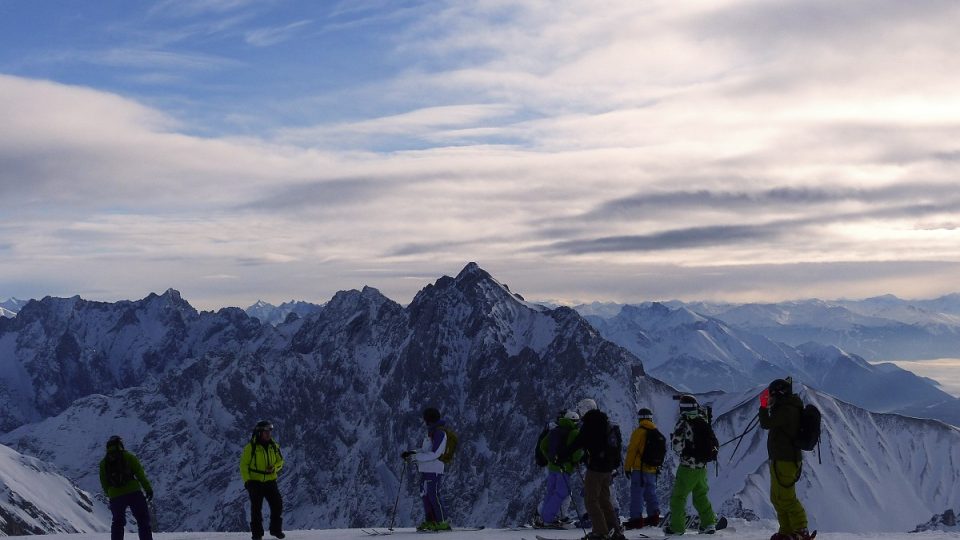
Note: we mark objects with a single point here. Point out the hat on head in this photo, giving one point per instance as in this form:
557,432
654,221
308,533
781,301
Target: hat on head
263,425
780,387
431,415
586,405
571,415
645,414
689,403
115,441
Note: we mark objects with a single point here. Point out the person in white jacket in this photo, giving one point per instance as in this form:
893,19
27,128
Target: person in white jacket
431,471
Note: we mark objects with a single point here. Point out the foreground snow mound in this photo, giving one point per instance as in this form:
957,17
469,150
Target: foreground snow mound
36,499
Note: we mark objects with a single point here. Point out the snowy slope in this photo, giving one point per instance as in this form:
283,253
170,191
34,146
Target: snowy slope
36,499
699,353
879,471
10,306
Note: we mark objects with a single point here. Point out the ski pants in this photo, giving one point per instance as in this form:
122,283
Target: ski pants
643,489
558,491
783,496
259,491
430,493
138,507
596,497
690,480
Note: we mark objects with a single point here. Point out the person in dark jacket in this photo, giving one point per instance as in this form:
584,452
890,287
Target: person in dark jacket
124,482
691,477
601,463
260,463
780,412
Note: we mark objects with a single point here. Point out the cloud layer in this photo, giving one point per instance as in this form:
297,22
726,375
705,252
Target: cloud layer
740,150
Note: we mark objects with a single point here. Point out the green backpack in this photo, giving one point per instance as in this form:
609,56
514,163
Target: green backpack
452,442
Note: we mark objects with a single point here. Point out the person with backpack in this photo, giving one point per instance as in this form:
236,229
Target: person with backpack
431,460
125,484
601,442
695,442
645,455
260,464
552,446
780,415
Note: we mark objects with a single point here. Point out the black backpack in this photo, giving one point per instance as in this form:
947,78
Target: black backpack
611,456
539,458
655,449
117,469
705,443
809,433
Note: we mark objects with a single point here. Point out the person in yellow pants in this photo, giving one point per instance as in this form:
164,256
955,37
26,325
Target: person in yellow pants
780,412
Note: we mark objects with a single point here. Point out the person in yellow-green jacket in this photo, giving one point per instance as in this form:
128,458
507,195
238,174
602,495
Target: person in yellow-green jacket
123,480
552,446
260,464
645,455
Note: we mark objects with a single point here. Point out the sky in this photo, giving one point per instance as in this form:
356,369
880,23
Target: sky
617,151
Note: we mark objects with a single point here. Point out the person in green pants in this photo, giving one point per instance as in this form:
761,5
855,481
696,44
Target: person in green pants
696,444
780,414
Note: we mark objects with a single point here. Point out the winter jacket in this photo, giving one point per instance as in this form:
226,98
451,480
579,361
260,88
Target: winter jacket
256,460
554,461
782,419
138,477
434,444
682,438
593,440
638,441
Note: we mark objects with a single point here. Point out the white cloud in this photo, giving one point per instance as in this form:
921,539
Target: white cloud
263,37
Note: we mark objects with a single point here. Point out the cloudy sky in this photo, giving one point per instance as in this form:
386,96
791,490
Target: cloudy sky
615,150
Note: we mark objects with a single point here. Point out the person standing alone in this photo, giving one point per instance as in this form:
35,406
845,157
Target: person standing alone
260,463
123,480
431,468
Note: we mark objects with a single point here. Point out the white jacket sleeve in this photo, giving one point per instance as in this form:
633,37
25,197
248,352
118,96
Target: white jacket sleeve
427,453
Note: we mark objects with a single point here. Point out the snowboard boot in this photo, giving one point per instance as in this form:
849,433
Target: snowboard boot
633,523
652,520
616,534
441,526
425,526
709,529
803,534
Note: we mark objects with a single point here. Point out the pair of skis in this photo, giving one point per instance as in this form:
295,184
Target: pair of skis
388,532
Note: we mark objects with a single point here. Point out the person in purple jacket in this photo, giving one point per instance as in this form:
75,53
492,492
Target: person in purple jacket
431,471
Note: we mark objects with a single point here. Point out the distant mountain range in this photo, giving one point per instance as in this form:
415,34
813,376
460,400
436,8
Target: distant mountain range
345,385
271,314
880,328
10,306
700,353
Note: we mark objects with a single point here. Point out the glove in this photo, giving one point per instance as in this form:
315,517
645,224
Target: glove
406,455
765,398
149,495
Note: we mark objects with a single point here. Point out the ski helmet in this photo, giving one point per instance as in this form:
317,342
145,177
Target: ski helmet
586,405
571,415
645,414
263,425
689,403
431,415
780,387
115,442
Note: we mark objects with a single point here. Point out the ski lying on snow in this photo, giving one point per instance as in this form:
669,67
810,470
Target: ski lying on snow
380,532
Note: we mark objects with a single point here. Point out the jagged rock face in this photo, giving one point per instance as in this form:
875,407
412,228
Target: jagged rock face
345,387
60,349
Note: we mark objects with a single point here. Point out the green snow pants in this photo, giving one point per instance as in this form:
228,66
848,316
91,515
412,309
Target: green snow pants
783,496
690,480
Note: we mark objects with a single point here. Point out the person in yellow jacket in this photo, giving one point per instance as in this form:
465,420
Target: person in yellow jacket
260,464
643,476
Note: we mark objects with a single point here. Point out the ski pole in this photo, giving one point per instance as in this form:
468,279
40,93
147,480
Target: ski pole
403,475
575,505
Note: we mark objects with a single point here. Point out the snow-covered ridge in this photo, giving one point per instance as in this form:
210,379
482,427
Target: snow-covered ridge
36,499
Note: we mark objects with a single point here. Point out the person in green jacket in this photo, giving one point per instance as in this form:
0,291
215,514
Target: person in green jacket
780,412
552,446
124,482
260,463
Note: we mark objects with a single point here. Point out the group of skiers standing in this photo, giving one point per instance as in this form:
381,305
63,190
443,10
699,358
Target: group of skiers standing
583,435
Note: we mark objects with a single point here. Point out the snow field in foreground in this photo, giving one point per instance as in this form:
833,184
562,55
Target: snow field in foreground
757,530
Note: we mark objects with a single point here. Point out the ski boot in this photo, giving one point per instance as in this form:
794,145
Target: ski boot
425,526
633,523
441,526
709,529
652,520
